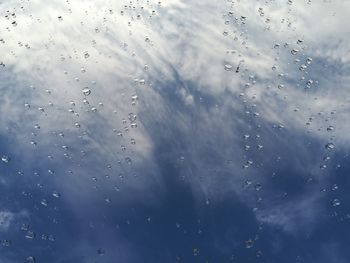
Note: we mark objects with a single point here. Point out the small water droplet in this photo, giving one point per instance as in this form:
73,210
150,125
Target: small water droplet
336,202
308,61
30,234
128,160
44,202
302,67
30,260
5,159
294,51
101,251
258,187
228,67
56,194
249,243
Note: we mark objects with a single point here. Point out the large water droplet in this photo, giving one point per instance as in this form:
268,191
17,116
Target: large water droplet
329,146
86,91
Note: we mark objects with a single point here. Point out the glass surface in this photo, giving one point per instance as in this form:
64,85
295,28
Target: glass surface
174,131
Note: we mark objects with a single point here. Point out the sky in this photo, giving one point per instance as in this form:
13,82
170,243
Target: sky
174,131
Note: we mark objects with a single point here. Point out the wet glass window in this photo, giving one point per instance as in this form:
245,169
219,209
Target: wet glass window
174,131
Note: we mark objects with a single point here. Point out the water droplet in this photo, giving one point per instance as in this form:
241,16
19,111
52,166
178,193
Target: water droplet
258,187
30,234
336,202
6,243
132,117
249,243
5,159
196,252
44,202
86,91
335,187
308,61
302,67
207,201
134,99
56,194
294,51
101,251
128,160
228,67
329,146
30,260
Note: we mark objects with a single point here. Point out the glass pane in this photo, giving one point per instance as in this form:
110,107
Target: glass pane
174,131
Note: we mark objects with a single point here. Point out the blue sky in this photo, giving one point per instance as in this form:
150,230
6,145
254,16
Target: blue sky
211,132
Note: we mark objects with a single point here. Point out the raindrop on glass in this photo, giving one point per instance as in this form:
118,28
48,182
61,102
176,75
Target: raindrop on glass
329,146
86,91
336,202
30,260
